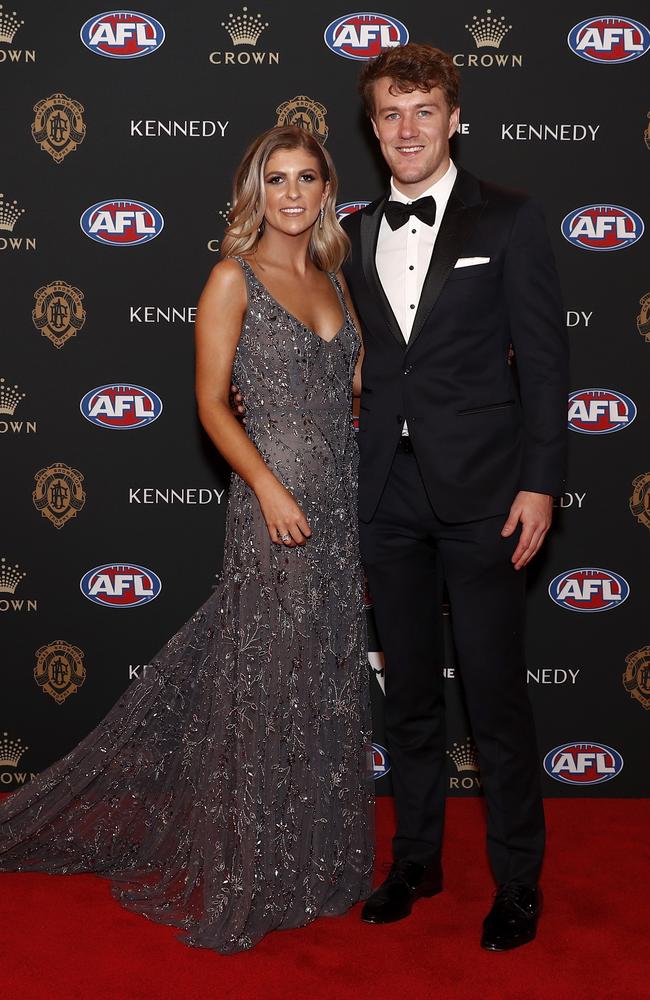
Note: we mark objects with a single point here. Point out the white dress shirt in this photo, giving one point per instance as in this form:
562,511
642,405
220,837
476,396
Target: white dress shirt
403,255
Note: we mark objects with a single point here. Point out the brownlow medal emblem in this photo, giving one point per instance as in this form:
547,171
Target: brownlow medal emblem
58,313
58,126
640,499
305,113
636,678
59,494
59,669
643,319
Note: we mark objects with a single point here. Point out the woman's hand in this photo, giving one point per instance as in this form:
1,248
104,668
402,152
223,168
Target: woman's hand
285,520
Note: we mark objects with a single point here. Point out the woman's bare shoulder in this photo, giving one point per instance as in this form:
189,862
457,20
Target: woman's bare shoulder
226,279
228,272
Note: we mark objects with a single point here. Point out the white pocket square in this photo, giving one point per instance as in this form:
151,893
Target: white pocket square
468,261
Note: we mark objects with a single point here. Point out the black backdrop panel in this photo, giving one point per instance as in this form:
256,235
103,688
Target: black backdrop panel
161,134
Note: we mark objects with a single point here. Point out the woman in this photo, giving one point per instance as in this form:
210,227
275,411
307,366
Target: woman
228,792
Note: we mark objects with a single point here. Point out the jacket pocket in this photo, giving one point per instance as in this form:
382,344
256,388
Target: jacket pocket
490,406
491,270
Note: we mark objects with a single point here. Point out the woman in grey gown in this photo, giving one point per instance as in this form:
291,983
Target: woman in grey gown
229,792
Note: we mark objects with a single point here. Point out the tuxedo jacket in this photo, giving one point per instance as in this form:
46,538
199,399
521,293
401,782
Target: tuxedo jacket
482,426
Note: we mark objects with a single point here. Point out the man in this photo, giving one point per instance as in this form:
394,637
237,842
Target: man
461,455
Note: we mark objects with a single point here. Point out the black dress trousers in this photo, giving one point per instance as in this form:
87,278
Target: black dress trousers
407,550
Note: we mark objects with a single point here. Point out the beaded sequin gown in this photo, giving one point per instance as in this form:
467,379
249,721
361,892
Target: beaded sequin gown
228,792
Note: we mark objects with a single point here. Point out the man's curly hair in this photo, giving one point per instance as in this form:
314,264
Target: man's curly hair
411,67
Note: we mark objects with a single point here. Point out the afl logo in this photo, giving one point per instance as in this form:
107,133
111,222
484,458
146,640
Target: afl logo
589,589
600,411
349,208
122,34
583,763
609,39
602,227
121,407
363,36
380,761
122,223
118,585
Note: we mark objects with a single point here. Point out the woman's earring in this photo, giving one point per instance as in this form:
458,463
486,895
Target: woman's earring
321,217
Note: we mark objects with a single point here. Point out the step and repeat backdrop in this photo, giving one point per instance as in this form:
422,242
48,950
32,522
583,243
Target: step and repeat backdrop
121,132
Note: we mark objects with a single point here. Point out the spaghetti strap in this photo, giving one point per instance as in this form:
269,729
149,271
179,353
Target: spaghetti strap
248,273
337,285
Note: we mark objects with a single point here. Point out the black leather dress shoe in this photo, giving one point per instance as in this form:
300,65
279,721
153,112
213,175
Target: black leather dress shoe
406,882
512,921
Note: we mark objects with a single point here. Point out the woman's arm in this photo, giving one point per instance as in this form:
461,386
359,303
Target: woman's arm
219,319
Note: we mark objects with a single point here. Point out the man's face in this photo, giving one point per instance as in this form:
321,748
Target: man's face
414,130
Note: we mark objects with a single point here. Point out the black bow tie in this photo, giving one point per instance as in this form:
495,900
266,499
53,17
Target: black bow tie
397,213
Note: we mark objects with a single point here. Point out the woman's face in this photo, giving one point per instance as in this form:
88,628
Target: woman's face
295,191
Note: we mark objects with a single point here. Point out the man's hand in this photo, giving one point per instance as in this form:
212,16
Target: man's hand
236,401
535,511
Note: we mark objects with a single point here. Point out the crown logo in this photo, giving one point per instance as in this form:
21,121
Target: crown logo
10,577
224,213
488,32
465,756
244,28
9,213
9,25
10,397
11,751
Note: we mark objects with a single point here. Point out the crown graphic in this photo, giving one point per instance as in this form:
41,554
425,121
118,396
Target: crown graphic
244,28
9,213
11,750
465,756
224,213
9,25
10,577
10,397
488,31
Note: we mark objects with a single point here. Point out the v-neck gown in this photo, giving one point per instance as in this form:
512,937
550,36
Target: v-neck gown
228,792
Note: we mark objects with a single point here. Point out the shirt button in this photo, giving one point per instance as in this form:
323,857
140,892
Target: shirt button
414,231
411,306
411,267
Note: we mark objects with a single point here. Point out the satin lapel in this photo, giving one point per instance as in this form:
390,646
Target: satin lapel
457,224
369,234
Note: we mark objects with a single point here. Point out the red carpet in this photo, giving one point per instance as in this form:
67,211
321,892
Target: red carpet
64,938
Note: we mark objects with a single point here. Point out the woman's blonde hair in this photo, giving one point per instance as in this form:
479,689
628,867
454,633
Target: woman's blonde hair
329,245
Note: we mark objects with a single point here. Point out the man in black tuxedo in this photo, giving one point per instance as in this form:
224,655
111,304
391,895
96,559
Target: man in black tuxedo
461,455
